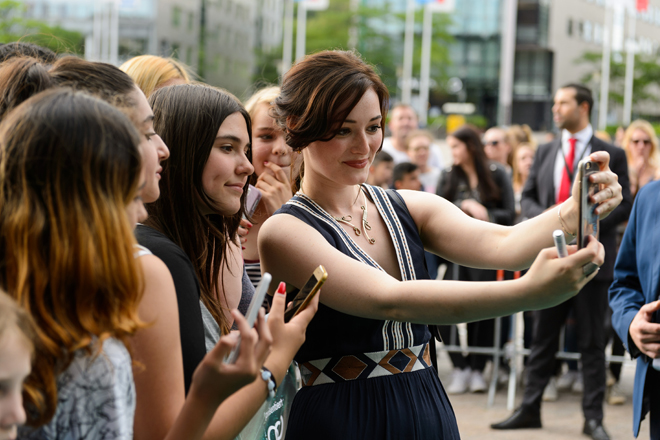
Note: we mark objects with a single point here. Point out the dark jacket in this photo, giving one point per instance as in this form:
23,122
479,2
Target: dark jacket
502,211
539,194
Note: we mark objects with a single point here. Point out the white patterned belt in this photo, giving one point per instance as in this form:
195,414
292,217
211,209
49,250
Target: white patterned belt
365,365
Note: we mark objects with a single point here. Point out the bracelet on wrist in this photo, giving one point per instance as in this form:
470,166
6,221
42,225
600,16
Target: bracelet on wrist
562,223
268,377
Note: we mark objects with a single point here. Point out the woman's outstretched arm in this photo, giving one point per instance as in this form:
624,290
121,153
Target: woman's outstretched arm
446,231
290,250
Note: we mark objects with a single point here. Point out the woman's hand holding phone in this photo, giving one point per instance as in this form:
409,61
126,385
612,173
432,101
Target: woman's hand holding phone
214,380
609,196
287,337
552,280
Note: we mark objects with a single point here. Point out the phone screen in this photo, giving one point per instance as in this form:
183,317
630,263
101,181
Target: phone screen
306,294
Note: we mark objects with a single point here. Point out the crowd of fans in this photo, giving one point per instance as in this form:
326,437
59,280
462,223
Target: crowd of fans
130,252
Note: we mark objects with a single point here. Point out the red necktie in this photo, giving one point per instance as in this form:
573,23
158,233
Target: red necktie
565,187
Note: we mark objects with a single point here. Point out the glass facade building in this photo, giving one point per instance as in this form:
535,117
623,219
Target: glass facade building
475,52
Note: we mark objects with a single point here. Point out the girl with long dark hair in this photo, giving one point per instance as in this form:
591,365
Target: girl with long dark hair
481,189
193,227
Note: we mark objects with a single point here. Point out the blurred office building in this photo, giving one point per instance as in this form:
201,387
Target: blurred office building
230,30
550,36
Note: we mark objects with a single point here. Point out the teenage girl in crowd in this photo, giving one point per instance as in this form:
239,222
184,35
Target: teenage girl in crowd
70,173
192,227
17,336
271,158
482,190
365,363
151,72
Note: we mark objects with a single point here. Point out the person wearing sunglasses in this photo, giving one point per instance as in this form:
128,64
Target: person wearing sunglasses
497,147
641,145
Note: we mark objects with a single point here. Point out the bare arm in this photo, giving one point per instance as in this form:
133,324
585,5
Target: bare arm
163,410
159,380
291,249
236,411
446,231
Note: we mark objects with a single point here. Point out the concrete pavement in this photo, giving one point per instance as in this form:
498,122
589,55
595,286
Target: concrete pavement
562,420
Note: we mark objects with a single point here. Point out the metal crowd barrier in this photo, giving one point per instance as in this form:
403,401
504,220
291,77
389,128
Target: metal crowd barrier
516,354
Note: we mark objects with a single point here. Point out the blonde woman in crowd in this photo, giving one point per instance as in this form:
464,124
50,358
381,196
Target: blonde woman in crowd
151,72
271,158
519,134
523,158
641,145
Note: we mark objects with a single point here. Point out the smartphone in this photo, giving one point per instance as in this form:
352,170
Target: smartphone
252,312
251,201
307,293
589,220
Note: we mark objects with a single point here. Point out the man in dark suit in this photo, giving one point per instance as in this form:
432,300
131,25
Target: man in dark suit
635,303
549,184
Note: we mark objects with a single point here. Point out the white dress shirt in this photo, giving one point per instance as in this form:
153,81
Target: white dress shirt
582,150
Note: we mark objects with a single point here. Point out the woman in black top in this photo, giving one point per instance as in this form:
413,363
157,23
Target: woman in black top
482,190
193,226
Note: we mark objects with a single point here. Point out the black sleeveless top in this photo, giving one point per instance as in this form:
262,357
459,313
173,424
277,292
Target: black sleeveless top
332,333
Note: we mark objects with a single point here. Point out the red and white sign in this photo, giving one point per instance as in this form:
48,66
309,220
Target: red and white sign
642,5
441,5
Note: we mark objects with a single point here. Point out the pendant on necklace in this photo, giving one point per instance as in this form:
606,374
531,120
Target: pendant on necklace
347,219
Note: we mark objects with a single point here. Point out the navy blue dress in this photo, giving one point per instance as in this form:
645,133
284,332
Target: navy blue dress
367,378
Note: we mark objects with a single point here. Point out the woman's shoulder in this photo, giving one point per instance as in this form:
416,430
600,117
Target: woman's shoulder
95,398
111,365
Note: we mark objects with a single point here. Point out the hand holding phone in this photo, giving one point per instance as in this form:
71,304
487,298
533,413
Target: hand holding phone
589,221
307,293
252,312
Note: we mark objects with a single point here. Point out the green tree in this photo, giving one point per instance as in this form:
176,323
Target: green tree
645,77
379,40
380,34
266,72
15,27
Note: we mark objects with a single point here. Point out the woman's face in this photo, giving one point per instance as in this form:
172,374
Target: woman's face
15,366
524,160
418,150
346,157
152,147
228,168
640,145
268,144
459,151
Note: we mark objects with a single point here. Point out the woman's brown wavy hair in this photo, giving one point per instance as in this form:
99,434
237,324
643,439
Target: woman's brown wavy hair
187,117
69,165
320,91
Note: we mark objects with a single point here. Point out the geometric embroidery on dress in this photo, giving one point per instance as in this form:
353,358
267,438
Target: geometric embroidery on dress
365,365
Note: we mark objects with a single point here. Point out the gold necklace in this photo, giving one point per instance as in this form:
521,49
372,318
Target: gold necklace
365,224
